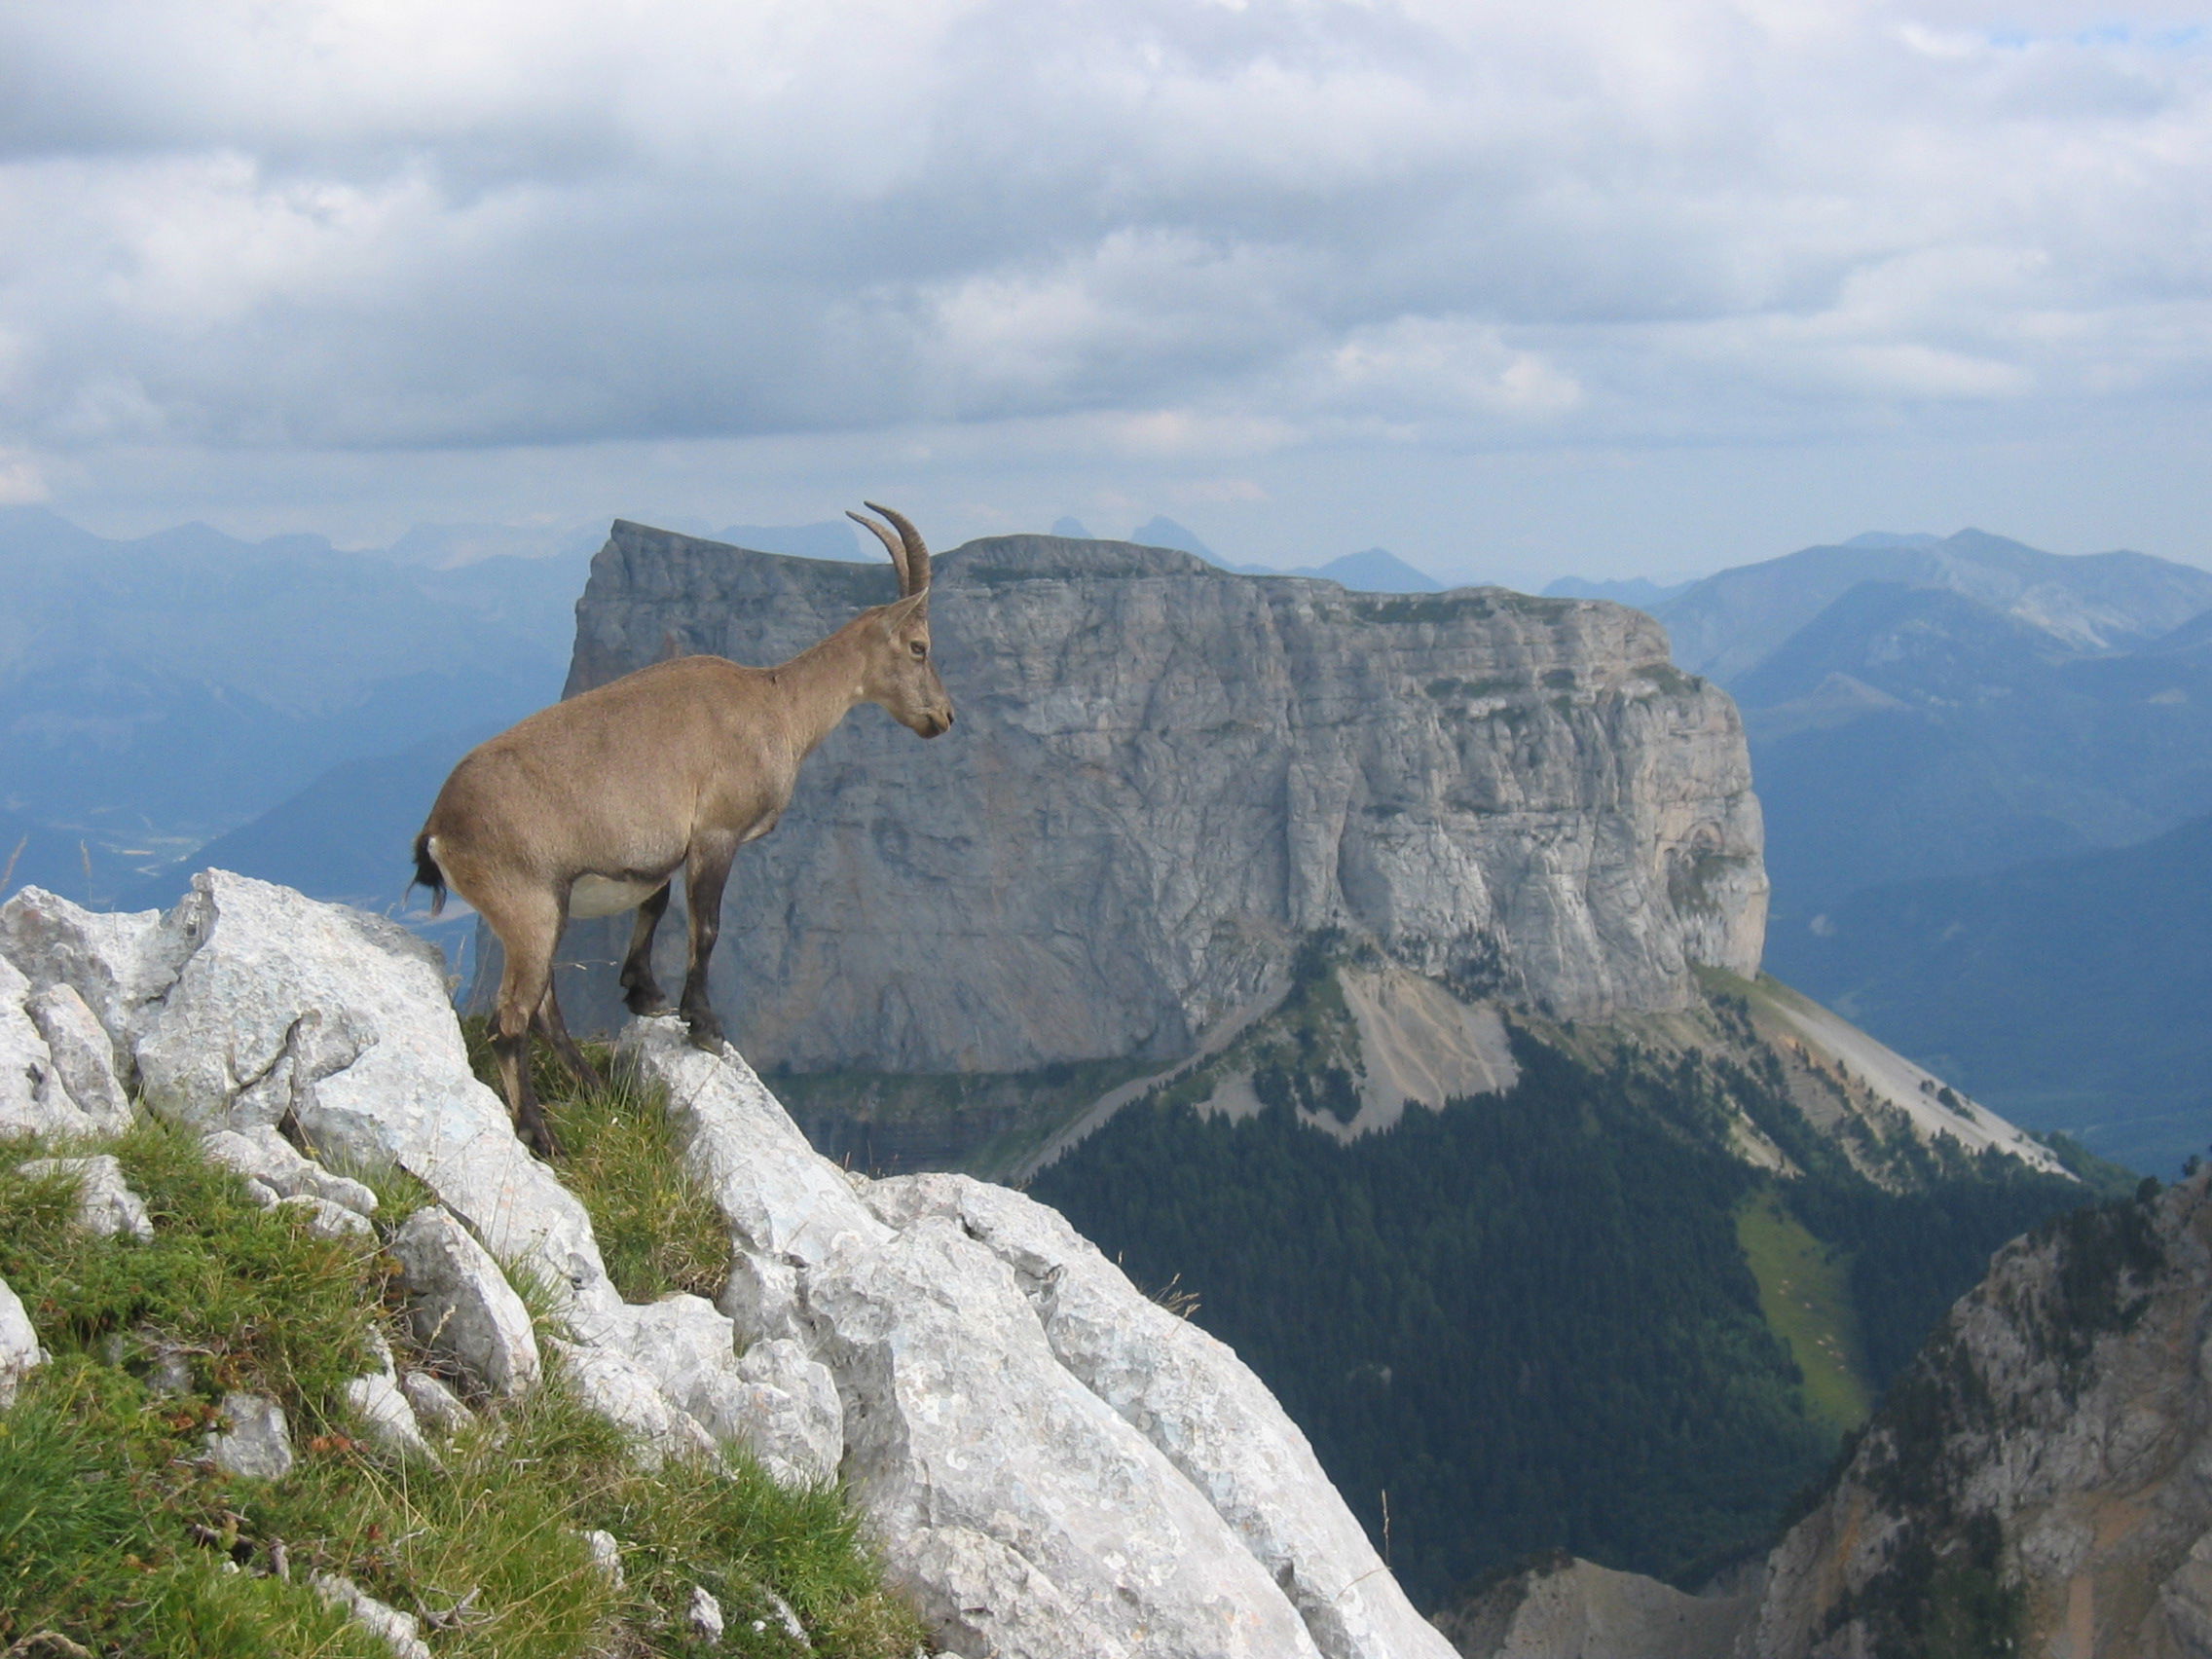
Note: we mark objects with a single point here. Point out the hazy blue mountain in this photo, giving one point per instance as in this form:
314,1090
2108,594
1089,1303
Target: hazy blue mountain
1957,787
1891,539
2192,636
1909,733
1730,622
156,691
1072,527
1376,570
831,538
1158,531
1639,591
449,546
347,836
1926,645
2068,993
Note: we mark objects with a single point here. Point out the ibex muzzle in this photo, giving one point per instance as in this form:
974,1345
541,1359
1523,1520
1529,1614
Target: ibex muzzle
591,806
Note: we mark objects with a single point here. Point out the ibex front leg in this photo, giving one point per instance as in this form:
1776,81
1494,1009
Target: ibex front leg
704,876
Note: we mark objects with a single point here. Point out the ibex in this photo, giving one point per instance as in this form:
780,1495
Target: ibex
591,806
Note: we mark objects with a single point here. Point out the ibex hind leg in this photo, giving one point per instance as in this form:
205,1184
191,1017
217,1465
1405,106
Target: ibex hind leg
641,991
556,1030
528,930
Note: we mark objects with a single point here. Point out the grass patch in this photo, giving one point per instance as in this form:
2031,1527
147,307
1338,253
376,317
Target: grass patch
1805,1294
117,1533
657,1231
248,1297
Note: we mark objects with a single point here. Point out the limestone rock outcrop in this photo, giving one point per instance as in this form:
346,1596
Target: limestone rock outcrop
56,1073
1052,1464
1165,775
461,1306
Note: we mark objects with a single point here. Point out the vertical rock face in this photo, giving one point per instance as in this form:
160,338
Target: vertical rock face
1164,775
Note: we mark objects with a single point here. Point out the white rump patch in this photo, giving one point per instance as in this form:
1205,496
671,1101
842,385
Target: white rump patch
605,895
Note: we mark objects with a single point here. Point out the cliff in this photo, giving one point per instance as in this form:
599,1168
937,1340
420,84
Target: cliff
1166,776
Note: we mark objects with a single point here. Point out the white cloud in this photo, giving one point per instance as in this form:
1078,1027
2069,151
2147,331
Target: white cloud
1416,366
1161,228
20,480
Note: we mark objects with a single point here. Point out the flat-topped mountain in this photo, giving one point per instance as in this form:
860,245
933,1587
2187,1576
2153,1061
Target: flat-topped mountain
1166,775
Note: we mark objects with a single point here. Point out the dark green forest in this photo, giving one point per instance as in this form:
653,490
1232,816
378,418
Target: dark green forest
1524,1322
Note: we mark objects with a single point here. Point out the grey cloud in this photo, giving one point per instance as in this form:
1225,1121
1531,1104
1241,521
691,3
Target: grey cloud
575,224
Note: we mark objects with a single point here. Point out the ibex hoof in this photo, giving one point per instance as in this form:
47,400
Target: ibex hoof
647,1002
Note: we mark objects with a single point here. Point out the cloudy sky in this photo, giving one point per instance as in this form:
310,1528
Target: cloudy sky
1512,289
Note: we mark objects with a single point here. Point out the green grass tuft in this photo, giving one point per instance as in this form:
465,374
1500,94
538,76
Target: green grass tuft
658,1231
251,1298
117,1533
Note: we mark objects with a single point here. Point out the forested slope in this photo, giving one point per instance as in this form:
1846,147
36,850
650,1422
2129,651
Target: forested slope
1527,1321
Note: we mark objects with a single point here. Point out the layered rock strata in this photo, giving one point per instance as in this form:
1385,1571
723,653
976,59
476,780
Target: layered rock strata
1052,1464
1166,776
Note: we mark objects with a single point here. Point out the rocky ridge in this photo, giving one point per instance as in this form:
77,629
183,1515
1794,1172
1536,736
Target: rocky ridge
1166,776
2038,1482
1052,1463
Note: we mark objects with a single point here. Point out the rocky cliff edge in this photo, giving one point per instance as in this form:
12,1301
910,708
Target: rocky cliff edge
1052,1463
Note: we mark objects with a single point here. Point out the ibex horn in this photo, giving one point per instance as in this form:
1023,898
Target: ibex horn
890,545
917,552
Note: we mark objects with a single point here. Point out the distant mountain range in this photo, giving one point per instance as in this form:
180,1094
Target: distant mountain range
1376,570
1727,624
157,692
1957,707
1952,738
1639,591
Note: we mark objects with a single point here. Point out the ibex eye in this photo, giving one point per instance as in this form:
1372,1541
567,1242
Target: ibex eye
920,649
